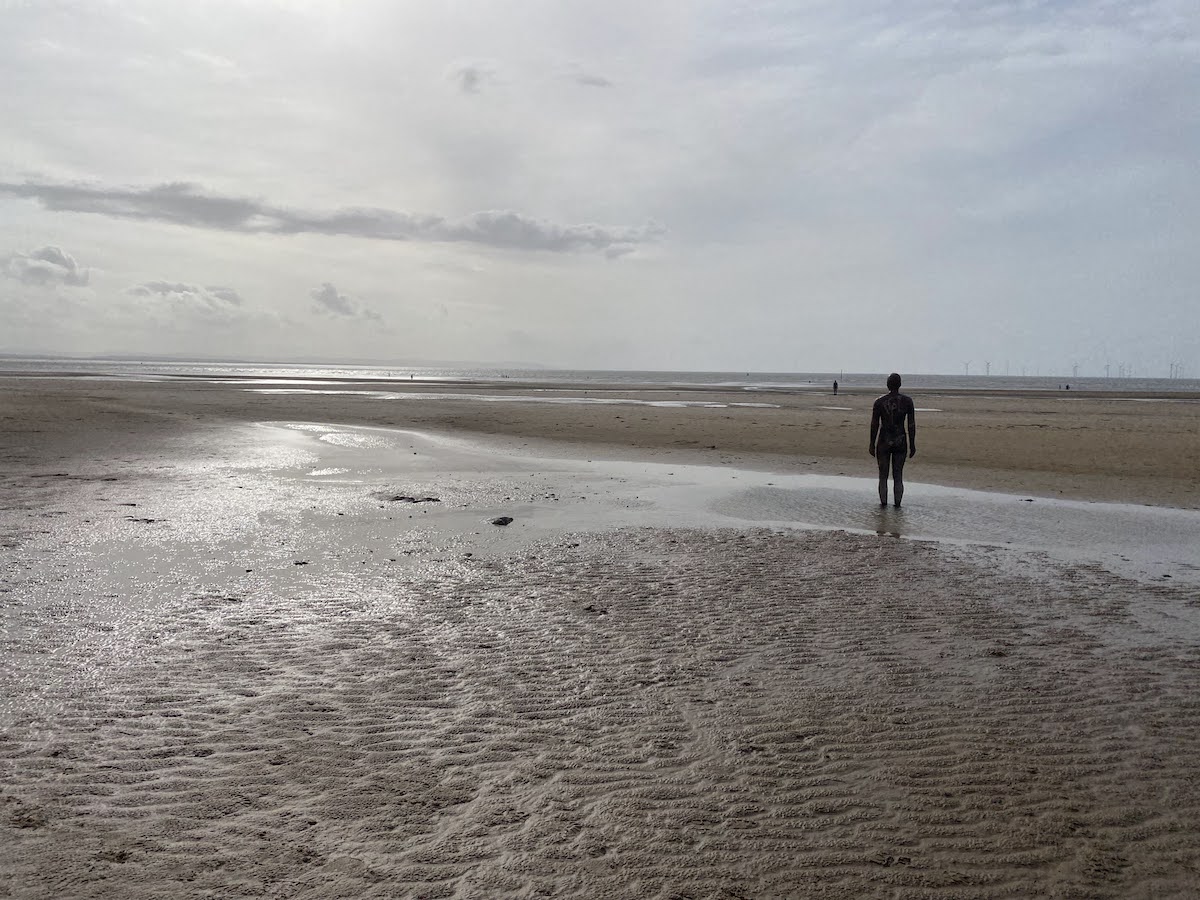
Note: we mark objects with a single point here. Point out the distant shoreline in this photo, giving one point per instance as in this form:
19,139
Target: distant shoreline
500,373
1163,389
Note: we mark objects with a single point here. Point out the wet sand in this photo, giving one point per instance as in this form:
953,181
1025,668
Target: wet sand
234,664
1123,448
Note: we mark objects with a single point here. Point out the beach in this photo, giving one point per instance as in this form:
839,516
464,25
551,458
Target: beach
264,639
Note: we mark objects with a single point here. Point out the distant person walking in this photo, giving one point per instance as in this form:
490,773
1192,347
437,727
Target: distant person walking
835,387
890,444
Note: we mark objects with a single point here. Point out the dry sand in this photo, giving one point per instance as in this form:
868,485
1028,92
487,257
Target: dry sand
230,667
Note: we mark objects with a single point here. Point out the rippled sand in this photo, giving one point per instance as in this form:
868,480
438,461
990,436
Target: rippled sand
232,668
644,713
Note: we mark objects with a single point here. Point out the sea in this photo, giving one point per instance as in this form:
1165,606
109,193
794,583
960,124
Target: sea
146,369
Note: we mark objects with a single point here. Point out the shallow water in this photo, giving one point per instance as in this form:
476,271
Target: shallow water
770,381
1135,541
522,398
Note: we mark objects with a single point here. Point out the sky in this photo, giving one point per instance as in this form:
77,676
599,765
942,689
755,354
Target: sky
694,185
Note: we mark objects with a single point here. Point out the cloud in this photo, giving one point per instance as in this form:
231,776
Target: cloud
588,79
45,266
186,204
210,61
229,295
471,78
328,300
214,301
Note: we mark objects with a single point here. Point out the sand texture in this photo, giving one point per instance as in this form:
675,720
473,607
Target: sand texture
232,668
642,715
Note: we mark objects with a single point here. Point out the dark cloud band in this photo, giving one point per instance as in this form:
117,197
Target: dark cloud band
186,204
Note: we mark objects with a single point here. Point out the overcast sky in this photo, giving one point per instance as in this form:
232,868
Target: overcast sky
766,186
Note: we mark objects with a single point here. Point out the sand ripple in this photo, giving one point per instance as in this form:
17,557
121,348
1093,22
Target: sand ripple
641,714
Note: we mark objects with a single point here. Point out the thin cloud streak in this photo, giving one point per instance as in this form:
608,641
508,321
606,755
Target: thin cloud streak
182,203
589,80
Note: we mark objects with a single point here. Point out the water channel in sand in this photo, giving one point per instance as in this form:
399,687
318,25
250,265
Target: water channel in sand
1148,543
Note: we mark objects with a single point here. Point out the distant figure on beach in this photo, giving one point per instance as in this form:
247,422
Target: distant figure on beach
890,444
835,387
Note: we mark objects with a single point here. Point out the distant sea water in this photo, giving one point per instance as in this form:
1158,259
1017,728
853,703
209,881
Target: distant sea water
133,369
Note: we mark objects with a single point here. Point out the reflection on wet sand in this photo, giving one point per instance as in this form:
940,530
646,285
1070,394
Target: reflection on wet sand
1130,540
887,520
